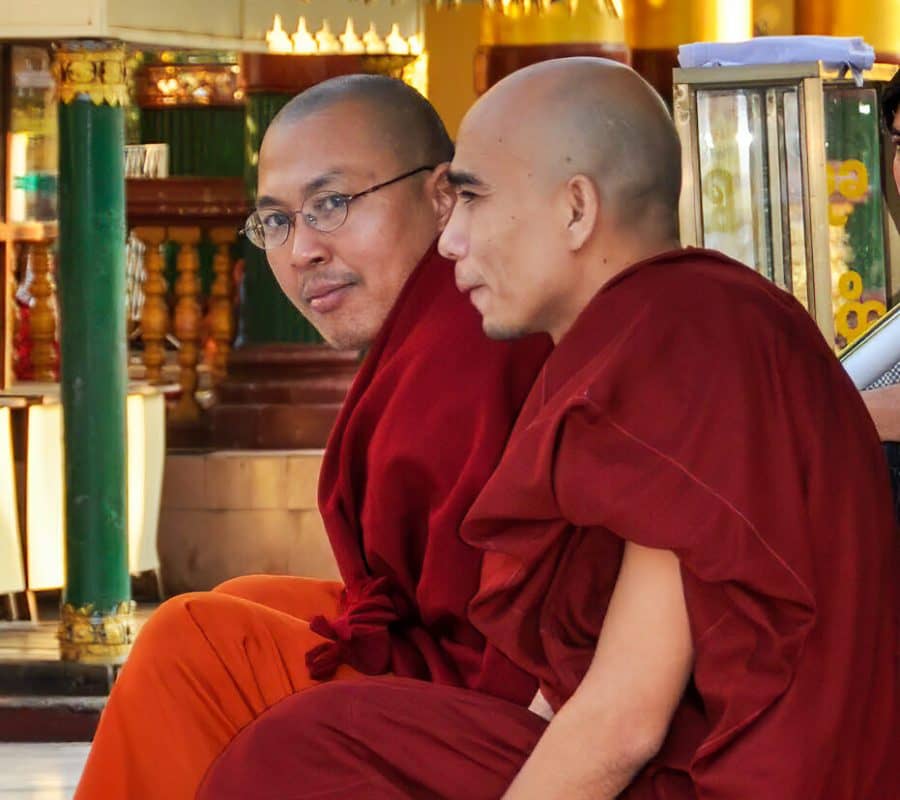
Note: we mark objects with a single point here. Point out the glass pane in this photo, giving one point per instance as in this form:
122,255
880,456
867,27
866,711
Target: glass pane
792,167
33,136
855,212
733,175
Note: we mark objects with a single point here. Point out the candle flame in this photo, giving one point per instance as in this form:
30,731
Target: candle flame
396,44
277,39
303,39
350,42
373,42
327,41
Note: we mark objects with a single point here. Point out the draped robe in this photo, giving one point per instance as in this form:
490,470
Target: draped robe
421,430
693,407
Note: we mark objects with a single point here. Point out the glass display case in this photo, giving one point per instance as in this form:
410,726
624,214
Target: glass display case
32,137
784,169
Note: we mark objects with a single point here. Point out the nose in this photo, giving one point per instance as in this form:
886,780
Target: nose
309,247
454,241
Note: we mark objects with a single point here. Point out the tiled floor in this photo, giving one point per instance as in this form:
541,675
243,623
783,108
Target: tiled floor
40,771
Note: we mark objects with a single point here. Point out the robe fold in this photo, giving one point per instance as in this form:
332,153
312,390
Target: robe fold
692,407
695,407
420,432
422,428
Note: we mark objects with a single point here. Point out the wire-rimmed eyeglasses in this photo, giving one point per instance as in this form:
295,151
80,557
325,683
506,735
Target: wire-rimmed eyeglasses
325,211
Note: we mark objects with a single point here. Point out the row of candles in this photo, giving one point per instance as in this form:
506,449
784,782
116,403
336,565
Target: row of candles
324,41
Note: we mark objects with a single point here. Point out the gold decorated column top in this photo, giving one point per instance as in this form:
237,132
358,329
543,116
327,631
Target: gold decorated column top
94,70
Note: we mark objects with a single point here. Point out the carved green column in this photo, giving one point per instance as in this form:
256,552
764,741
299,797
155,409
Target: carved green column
97,611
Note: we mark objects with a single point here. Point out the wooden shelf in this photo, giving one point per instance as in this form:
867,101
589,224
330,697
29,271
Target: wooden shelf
28,231
185,201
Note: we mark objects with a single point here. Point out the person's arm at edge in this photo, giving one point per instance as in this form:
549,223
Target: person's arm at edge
884,406
619,716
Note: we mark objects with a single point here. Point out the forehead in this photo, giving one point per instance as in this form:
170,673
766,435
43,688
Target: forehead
342,137
481,149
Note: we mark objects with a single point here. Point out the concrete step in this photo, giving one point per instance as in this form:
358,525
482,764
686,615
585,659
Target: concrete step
55,678
30,718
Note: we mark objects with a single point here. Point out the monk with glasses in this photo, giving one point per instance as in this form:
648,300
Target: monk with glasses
352,197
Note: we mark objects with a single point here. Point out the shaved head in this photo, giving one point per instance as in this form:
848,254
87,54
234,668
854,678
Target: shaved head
405,122
373,148
567,173
597,117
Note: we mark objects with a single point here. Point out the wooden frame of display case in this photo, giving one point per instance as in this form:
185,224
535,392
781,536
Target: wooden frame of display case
809,80
12,233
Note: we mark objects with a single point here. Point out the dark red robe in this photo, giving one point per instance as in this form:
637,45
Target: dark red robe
421,431
693,407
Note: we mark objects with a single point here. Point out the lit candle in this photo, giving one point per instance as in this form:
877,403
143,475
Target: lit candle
277,39
350,42
373,42
303,39
416,44
396,44
328,42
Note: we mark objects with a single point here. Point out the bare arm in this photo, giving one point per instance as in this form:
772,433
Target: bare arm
884,406
619,715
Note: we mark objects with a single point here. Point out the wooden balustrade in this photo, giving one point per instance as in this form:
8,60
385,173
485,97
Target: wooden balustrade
155,311
188,211
42,319
221,301
188,316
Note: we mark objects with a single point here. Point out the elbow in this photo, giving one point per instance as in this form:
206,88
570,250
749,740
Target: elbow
642,743
628,740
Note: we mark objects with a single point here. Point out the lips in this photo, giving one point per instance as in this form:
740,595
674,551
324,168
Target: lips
325,297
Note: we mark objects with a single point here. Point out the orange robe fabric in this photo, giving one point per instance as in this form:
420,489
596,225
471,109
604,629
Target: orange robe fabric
422,428
692,407
205,665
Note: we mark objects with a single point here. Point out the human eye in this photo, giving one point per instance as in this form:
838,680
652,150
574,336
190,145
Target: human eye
466,196
324,204
273,219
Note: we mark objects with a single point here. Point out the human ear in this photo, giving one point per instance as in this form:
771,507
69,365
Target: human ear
582,209
441,193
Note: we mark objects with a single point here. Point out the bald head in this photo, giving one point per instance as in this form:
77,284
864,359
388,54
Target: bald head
566,174
398,117
596,117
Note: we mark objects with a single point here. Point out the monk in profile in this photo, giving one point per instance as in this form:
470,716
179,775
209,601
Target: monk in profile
352,196
689,540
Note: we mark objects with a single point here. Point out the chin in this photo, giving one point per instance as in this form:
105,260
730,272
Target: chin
354,339
501,332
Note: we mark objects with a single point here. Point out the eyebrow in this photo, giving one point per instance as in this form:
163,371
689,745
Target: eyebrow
266,201
462,178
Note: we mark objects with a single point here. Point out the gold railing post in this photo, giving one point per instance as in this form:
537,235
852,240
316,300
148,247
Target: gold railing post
155,312
43,313
187,320
220,300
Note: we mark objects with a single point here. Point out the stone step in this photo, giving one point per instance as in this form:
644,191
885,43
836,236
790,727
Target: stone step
55,678
31,718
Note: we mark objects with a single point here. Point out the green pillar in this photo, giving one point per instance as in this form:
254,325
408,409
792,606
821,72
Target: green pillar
266,314
97,611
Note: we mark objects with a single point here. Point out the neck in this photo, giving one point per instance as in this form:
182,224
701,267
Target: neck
599,266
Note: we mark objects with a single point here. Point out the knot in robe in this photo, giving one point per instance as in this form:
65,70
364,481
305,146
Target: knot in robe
420,432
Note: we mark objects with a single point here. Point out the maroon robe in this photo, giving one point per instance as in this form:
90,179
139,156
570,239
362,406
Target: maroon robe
421,431
692,407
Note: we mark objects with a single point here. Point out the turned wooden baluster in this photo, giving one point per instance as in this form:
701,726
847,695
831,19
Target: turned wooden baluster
220,300
43,312
155,313
187,320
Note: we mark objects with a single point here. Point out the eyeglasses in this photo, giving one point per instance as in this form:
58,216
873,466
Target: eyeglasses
269,228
